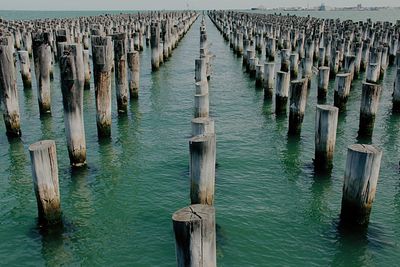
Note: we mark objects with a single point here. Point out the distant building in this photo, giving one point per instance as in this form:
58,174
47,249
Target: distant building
322,7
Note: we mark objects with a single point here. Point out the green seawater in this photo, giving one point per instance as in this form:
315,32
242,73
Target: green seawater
271,208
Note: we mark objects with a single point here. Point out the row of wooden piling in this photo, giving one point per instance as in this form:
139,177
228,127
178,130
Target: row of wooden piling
194,226
115,43
114,47
335,50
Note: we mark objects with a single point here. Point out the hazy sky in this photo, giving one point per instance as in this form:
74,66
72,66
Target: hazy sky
175,4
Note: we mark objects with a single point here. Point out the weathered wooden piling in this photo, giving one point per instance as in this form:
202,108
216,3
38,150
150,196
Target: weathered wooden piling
87,71
297,106
155,44
342,90
200,69
133,74
42,59
25,68
201,105
9,90
121,81
202,126
285,60
373,73
281,91
269,79
396,92
259,75
72,86
102,63
326,119
294,65
323,82
270,49
360,181
45,181
202,168
368,109
195,238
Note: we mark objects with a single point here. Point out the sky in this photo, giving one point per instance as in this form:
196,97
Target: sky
176,4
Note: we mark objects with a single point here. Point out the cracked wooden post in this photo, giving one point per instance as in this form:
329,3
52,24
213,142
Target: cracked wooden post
294,65
259,75
360,181
155,44
368,109
334,65
25,68
86,65
270,49
307,65
202,126
285,60
133,74
200,69
202,168
396,92
42,59
102,63
373,72
72,86
281,91
326,119
269,79
121,81
297,106
45,181
323,82
342,90
195,238
9,90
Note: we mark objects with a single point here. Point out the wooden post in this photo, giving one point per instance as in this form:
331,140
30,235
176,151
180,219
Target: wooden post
285,60
155,44
86,65
195,241
360,180
202,126
281,91
270,49
396,92
202,168
326,119
9,90
133,74
200,69
25,68
201,105
342,90
121,81
72,86
42,59
269,79
294,65
323,82
373,73
201,87
45,181
368,109
102,63
297,107
259,75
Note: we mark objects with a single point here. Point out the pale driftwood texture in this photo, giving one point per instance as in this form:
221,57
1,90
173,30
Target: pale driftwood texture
9,90
326,119
72,86
369,107
201,87
297,107
202,168
42,59
195,237
45,181
269,79
323,82
133,74
360,180
281,91
102,64
201,105
200,69
121,81
25,68
342,90
202,126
